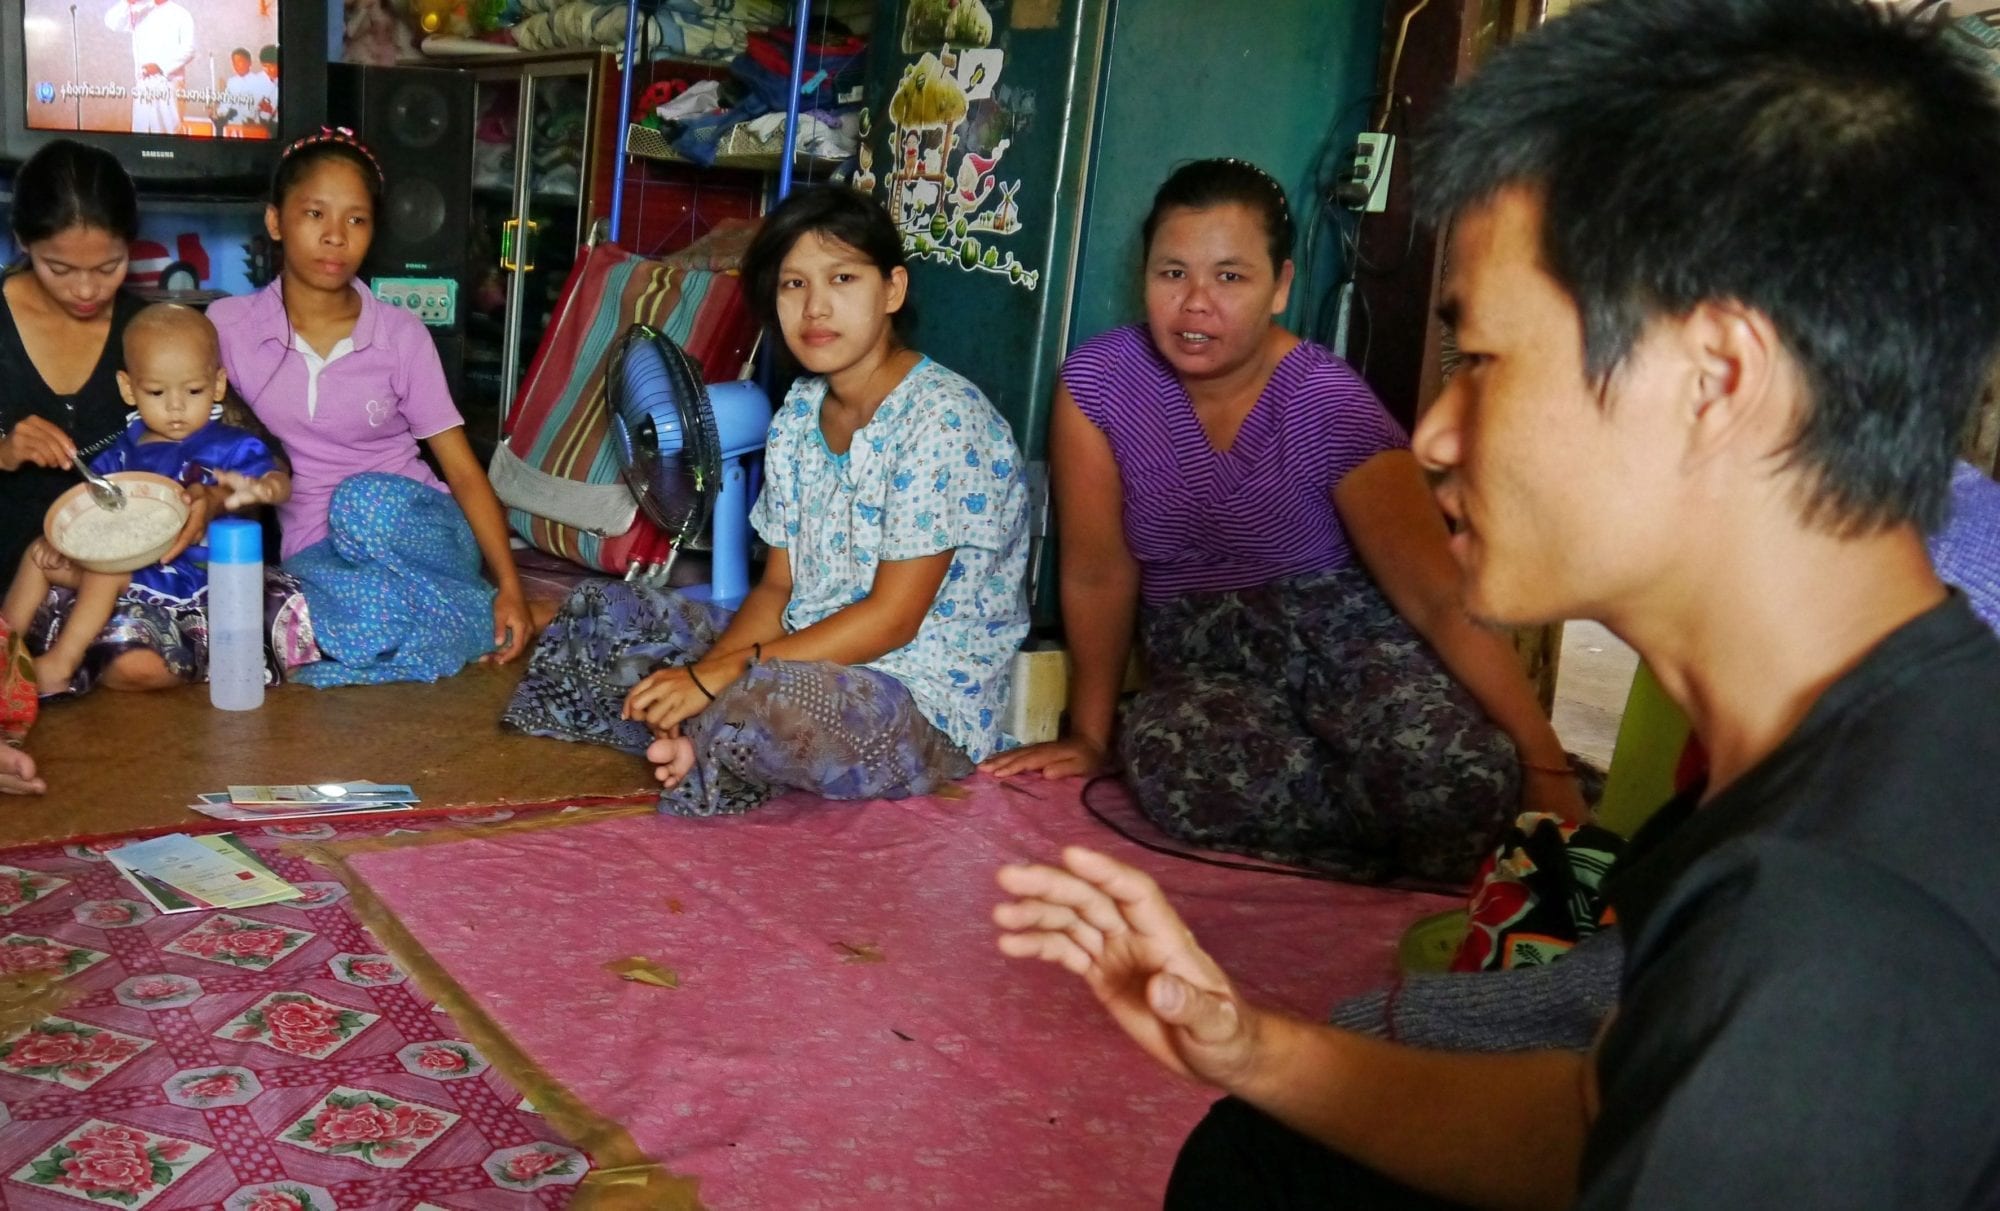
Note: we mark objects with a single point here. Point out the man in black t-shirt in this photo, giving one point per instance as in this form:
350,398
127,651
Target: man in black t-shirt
1724,292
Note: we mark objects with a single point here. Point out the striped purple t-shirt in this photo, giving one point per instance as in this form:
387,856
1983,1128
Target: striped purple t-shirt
1201,521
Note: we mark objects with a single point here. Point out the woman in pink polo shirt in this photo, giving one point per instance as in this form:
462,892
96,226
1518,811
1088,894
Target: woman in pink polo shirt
350,386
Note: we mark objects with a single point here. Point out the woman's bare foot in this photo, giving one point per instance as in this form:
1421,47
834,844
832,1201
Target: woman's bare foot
672,758
17,773
53,671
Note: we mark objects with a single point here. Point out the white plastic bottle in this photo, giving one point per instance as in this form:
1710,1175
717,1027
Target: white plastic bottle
235,614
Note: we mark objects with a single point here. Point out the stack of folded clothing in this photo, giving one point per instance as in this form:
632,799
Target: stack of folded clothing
747,111
713,30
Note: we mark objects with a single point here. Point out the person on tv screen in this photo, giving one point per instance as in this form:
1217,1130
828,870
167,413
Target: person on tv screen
250,98
162,43
267,59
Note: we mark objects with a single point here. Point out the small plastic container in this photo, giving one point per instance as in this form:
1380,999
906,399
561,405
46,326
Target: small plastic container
235,614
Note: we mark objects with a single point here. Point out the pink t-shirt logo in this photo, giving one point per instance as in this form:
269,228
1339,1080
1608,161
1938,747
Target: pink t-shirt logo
379,411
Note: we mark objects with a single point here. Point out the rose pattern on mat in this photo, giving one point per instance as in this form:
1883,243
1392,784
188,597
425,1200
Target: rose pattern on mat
239,941
298,1023
20,887
280,1196
206,1088
318,893
302,830
104,1163
365,971
143,989
158,990
532,1166
112,914
442,1060
25,954
68,1053
383,1131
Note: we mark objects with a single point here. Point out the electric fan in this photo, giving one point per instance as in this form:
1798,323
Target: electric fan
682,448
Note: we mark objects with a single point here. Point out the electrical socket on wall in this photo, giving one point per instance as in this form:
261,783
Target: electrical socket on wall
1367,188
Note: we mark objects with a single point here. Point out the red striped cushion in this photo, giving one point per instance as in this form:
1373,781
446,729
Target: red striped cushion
560,424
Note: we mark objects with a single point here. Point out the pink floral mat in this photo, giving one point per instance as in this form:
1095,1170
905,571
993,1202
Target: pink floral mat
842,1032
268,1059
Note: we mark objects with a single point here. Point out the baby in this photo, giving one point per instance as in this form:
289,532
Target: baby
173,376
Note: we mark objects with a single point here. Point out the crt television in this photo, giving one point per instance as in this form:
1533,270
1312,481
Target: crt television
188,94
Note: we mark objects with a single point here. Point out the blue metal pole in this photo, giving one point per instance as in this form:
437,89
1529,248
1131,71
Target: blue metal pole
802,10
624,117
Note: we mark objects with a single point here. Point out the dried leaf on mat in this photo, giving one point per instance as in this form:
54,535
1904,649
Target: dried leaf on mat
642,970
674,907
860,952
28,997
953,791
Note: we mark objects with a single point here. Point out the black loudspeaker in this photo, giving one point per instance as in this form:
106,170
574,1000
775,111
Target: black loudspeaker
418,122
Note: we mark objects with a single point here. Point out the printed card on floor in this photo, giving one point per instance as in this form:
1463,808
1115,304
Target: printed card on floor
322,792
179,873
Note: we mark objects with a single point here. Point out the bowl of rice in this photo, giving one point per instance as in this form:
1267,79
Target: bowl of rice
117,540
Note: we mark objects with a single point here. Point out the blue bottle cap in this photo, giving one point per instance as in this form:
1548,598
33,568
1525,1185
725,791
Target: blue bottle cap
235,540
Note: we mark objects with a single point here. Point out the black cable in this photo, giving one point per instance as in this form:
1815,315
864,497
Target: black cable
1323,184
1399,117
1260,868
1367,314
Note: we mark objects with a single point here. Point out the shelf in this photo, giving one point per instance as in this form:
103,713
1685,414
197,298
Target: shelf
155,199
738,152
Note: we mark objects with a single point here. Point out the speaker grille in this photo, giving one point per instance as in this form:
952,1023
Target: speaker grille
419,115
418,121
415,212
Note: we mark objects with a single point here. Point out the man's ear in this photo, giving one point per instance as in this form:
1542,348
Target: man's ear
1739,380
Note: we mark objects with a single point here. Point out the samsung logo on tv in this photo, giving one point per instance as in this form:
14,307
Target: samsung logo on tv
147,153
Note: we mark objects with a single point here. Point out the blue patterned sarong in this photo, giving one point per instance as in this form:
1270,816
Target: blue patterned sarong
395,588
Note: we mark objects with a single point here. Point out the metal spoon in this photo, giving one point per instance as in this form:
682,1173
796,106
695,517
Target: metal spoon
107,494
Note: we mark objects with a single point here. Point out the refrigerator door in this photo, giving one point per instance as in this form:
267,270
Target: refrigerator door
978,142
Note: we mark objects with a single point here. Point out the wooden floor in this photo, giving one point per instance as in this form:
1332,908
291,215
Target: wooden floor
1592,682
123,762
118,763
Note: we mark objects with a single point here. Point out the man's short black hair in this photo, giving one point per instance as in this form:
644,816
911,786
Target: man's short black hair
1827,162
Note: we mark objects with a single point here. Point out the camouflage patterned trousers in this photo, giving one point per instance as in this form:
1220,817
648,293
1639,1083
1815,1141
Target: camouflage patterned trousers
1305,721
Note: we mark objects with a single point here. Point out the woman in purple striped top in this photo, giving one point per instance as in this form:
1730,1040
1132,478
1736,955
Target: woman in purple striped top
1315,689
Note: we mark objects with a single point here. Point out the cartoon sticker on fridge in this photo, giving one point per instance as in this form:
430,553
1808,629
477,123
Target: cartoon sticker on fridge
949,23
949,131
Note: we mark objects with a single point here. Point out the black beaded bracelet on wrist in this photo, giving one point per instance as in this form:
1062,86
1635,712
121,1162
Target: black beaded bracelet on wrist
698,685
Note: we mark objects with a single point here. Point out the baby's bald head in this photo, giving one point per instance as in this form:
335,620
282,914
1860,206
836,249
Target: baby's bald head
173,369
170,326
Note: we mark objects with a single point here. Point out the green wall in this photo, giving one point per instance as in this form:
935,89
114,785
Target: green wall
1275,82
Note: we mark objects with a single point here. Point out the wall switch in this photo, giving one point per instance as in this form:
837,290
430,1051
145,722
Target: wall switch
1368,173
